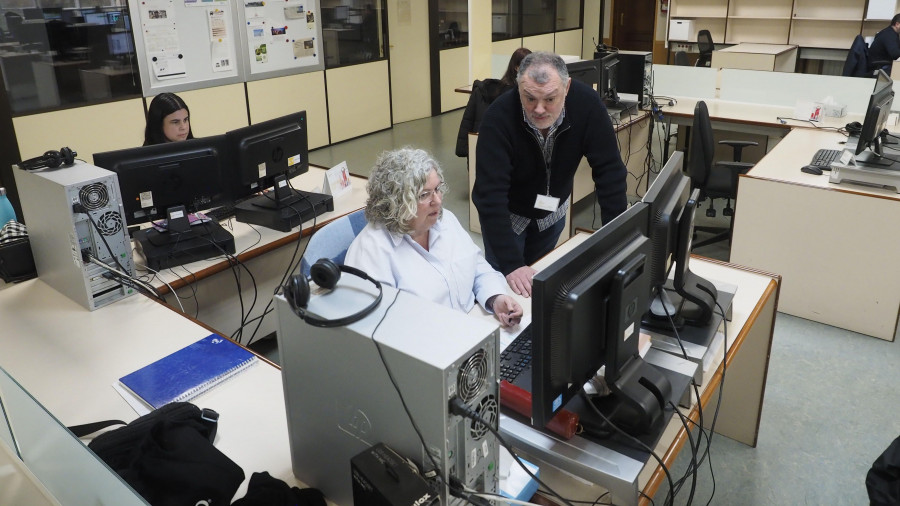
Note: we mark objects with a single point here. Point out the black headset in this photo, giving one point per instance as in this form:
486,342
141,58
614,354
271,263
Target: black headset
326,274
65,157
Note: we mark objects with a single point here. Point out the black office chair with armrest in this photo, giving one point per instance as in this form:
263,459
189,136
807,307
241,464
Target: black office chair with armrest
681,59
706,47
714,179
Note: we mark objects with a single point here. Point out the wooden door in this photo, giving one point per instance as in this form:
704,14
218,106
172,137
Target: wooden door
632,24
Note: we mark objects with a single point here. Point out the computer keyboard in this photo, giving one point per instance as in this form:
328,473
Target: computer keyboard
516,358
221,213
824,157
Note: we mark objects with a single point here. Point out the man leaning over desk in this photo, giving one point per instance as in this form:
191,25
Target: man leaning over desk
886,45
529,146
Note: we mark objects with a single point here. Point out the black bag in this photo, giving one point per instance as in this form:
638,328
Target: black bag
883,479
168,456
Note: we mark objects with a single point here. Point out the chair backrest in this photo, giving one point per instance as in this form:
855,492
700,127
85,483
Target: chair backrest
332,240
706,47
681,58
857,62
702,147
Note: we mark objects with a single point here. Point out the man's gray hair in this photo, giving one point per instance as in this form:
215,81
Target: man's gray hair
397,179
535,66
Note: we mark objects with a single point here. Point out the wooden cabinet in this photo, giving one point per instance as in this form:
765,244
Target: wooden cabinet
806,23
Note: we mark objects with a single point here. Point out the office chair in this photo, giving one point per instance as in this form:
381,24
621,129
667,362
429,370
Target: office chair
714,179
332,240
681,58
706,47
857,63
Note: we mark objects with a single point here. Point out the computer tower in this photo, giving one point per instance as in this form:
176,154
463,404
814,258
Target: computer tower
340,396
634,75
59,235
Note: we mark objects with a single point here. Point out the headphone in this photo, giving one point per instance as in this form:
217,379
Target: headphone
65,157
326,274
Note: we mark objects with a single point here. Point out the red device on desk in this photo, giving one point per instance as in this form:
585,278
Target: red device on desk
564,423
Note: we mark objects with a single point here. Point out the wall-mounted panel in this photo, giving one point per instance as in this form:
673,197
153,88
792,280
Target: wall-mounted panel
358,100
569,42
272,98
454,73
87,130
542,42
501,52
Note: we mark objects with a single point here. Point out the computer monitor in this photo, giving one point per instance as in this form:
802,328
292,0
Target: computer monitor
96,18
120,43
112,17
608,71
154,178
168,181
586,71
33,13
586,310
692,298
269,154
877,113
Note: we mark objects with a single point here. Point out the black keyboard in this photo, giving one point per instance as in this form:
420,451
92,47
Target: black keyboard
824,157
515,360
221,213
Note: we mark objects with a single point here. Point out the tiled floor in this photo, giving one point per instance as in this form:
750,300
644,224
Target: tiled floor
832,402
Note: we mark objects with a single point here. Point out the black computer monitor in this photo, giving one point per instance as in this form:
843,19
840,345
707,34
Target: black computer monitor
586,310
120,43
154,178
168,181
877,113
268,150
692,298
608,71
269,154
586,71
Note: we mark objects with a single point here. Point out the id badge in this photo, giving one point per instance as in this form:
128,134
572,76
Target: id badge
546,203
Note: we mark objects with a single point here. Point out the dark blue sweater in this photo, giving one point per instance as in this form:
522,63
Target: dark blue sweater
510,170
885,46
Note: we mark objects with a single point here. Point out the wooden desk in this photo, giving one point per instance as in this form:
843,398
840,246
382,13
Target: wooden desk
834,244
632,135
208,287
749,335
749,56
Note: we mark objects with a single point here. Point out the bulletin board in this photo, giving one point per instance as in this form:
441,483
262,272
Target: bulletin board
281,37
186,44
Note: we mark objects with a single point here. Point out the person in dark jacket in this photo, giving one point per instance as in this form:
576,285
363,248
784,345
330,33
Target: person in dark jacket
483,94
529,146
886,45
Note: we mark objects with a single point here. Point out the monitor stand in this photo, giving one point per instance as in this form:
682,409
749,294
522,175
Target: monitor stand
170,249
637,399
283,208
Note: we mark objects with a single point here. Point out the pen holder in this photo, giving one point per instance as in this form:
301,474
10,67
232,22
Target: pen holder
16,261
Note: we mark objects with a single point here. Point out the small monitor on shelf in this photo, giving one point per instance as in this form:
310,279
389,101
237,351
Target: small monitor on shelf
167,182
586,311
267,155
120,44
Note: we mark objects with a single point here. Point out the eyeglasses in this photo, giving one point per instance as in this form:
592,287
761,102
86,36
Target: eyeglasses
427,195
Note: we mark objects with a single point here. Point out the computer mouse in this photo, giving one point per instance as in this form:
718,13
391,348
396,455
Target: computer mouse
811,169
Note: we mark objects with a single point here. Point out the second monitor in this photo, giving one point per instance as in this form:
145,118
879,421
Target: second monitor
267,155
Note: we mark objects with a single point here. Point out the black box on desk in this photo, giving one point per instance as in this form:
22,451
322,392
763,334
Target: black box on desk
383,478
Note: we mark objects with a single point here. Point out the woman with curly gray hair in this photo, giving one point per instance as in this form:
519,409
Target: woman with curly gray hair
413,244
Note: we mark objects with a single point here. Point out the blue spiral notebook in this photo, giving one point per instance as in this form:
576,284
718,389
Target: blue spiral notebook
188,372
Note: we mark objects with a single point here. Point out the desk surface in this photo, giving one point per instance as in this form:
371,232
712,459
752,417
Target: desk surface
753,48
68,358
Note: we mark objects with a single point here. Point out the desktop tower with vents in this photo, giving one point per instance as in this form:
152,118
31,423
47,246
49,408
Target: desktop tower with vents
340,399
59,235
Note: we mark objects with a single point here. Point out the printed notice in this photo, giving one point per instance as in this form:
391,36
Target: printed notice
304,47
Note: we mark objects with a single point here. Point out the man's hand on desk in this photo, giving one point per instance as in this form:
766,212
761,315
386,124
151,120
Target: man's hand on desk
520,280
507,310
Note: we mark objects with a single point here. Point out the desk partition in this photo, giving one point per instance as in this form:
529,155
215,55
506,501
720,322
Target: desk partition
681,81
68,470
784,89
